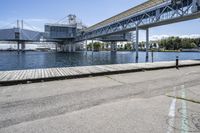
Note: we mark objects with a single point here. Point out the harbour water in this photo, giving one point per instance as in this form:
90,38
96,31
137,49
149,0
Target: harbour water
32,59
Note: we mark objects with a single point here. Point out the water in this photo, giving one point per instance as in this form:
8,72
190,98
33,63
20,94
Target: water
31,59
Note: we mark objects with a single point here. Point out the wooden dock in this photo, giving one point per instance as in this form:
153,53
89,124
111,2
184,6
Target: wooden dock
38,75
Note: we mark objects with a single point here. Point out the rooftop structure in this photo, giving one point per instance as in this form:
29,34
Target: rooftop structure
64,31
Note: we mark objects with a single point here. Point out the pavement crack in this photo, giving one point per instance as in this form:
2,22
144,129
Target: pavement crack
115,80
185,99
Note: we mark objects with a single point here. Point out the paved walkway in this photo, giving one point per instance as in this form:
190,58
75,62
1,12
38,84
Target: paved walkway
34,75
160,101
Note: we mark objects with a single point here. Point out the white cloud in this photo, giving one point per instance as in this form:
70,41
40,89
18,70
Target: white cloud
191,36
158,37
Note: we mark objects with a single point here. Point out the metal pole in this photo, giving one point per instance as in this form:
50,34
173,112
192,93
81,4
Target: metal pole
147,43
137,42
177,62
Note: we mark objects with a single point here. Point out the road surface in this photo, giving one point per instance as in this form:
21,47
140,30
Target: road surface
160,101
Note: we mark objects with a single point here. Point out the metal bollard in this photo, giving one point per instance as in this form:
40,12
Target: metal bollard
177,62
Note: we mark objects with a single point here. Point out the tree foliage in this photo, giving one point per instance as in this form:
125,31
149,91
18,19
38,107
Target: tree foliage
176,43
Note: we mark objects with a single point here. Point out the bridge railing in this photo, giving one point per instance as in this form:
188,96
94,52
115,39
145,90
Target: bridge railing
165,13
134,10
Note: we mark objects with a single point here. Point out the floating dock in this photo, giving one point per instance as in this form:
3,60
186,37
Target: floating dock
48,74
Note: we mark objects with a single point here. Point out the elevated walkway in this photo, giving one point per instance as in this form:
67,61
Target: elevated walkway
137,9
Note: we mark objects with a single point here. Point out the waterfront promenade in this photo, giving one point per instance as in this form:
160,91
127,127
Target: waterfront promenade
158,101
38,75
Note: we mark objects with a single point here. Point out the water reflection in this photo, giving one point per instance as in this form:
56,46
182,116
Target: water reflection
28,60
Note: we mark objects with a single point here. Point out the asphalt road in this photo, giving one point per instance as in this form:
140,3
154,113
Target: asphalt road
148,102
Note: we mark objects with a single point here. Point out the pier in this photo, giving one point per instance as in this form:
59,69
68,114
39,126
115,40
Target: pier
38,75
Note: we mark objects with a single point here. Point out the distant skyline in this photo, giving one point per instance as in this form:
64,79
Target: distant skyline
38,12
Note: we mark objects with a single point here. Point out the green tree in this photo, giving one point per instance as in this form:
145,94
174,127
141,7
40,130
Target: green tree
97,46
128,46
176,43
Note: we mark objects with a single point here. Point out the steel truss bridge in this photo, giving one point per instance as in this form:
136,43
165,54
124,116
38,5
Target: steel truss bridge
142,17
149,14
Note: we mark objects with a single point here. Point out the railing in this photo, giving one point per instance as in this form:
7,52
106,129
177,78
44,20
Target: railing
165,13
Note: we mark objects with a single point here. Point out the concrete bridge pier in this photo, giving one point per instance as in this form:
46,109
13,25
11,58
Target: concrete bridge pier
18,47
69,48
56,47
147,44
59,47
137,43
23,46
73,47
86,44
113,46
62,48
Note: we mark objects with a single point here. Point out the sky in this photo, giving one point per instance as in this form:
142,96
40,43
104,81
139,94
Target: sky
38,12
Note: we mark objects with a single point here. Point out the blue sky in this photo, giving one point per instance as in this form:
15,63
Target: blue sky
38,12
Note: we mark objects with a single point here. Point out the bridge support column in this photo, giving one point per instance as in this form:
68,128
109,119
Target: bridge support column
18,48
69,48
73,47
86,45
147,44
23,46
113,46
137,43
56,46
65,48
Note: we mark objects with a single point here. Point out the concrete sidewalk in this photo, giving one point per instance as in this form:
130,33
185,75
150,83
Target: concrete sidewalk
144,102
125,116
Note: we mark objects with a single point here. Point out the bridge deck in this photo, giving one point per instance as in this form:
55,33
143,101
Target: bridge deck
37,75
132,11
